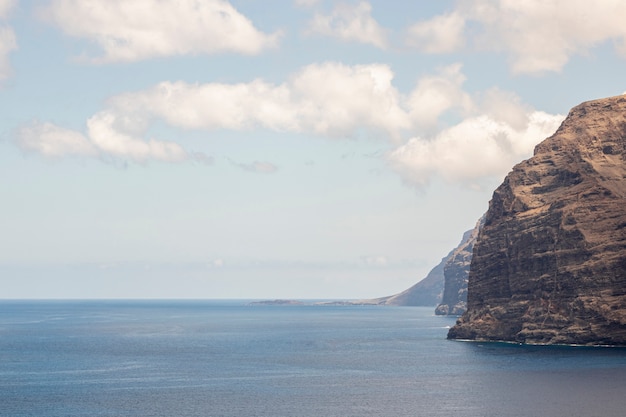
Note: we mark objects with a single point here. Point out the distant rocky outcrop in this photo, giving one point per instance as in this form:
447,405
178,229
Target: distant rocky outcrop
445,285
456,273
426,292
549,264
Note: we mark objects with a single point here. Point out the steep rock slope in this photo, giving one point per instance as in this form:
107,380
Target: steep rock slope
549,265
456,273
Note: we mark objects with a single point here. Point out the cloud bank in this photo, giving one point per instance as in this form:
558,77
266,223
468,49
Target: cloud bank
331,100
328,99
479,147
537,36
141,29
103,140
490,131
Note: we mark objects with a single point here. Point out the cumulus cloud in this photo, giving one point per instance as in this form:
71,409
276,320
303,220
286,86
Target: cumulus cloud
142,29
505,107
103,140
478,147
489,133
8,40
329,99
538,36
113,141
438,93
350,23
54,141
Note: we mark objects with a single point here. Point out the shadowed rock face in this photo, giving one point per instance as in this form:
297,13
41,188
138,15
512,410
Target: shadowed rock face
456,273
549,265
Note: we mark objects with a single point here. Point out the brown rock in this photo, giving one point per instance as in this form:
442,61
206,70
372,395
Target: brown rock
456,273
549,265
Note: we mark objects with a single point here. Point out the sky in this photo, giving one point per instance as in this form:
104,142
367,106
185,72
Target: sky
273,149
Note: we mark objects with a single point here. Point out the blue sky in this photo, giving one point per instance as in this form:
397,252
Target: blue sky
275,149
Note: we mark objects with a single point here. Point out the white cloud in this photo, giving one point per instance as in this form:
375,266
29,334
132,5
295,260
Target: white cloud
329,99
506,107
441,34
210,106
350,23
54,141
339,100
539,36
477,148
103,140
495,130
437,94
113,141
142,29
5,7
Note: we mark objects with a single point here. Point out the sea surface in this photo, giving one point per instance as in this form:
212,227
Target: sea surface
227,358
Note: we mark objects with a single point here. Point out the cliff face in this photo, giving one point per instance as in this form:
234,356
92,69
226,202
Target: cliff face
456,273
549,265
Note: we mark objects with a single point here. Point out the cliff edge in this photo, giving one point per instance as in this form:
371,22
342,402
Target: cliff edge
549,264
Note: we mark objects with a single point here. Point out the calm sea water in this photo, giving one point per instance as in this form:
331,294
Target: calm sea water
209,358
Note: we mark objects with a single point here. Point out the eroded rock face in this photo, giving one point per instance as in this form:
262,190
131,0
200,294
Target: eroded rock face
549,265
456,273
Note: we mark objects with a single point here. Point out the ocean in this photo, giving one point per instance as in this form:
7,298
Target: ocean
232,359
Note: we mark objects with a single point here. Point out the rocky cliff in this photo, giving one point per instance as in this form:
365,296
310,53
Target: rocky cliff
549,264
456,273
